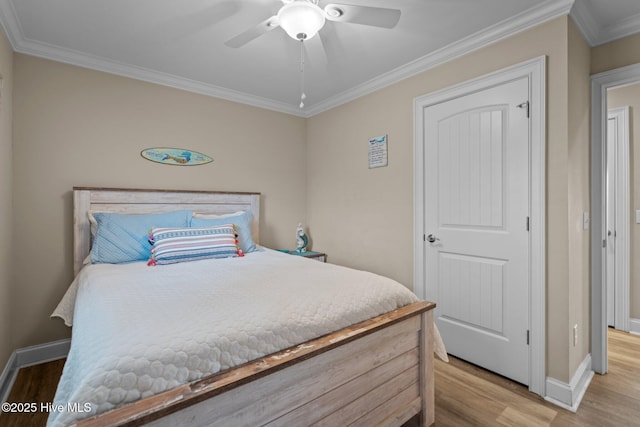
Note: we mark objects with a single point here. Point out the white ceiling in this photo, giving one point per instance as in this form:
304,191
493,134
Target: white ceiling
180,43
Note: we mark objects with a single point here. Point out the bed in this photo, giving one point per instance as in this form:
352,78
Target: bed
377,370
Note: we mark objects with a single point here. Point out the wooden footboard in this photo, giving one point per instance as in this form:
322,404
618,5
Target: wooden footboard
377,372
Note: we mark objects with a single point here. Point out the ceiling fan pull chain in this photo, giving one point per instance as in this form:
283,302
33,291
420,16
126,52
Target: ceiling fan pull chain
303,96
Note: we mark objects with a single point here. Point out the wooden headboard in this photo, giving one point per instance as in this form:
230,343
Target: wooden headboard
138,201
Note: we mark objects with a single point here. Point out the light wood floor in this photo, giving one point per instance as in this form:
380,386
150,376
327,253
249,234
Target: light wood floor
470,396
465,394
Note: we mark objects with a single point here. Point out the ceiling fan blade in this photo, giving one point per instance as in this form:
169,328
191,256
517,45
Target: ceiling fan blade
365,15
334,51
253,33
192,21
316,56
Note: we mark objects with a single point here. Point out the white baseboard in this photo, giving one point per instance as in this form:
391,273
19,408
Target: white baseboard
42,353
569,396
28,356
634,326
8,377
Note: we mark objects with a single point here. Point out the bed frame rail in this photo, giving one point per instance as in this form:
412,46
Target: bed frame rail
377,372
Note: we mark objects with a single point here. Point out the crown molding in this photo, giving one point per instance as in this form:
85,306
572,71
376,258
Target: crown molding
586,22
545,12
84,60
9,23
596,34
625,27
20,44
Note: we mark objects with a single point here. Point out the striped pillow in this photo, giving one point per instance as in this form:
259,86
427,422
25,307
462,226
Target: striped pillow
172,245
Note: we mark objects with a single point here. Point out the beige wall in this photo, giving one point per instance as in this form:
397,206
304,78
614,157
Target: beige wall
364,218
622,97
615,54
579,196
6,111
77,127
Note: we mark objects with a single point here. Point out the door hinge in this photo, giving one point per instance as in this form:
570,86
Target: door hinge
527,337
525,104
604,243
528,223
424,237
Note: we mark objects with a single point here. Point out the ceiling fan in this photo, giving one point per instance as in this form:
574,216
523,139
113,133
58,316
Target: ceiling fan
302,19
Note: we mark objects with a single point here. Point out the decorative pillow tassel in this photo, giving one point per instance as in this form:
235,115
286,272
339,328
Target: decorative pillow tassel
152,260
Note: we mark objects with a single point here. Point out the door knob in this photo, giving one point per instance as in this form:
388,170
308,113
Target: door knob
431,238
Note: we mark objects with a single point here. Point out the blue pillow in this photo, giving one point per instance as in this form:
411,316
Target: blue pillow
123,238
242,221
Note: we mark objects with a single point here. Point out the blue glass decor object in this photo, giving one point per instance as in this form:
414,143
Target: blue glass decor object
302,239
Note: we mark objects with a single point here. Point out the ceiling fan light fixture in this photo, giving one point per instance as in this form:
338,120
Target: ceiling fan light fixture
301,19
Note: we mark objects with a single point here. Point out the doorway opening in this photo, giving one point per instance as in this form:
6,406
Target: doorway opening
600,85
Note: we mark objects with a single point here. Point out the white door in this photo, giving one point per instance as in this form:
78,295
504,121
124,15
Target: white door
476,218
611,218
617,221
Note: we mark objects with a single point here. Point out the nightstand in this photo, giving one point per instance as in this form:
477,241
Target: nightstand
318,256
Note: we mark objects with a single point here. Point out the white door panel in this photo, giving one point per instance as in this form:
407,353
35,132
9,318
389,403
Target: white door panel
477,204
611,218
617,221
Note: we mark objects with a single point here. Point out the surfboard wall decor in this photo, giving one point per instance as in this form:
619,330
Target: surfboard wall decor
175,156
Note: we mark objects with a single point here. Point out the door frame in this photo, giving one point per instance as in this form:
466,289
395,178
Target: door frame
535,70
600,83
622,206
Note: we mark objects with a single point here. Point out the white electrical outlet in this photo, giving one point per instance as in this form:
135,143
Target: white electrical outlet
575,335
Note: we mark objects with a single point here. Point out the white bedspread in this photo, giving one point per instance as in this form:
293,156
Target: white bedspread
140,330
